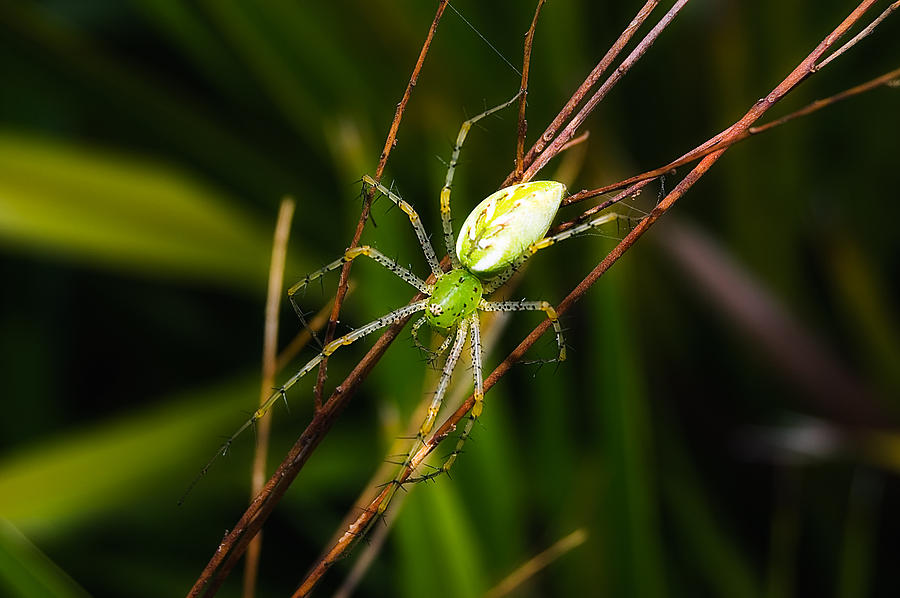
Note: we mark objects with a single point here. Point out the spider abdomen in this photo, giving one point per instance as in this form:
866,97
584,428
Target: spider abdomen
456,294
503,226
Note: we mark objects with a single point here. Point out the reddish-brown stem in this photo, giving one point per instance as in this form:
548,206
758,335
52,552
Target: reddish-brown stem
389,144
523,90
800,73
716,143
566,113
569,131
859,36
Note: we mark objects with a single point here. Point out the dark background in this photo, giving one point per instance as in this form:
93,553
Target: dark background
144,147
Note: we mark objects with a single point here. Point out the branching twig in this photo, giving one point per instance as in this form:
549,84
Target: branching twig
714,144
574,122
579,95
859,36
799,74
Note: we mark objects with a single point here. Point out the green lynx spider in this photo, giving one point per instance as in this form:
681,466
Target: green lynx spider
497,237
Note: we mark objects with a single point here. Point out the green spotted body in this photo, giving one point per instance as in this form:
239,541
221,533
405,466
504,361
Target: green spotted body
456,294
500,230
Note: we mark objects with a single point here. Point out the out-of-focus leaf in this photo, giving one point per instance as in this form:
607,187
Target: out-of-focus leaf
118,211
868,310
855,573
242,24
436,519
69,478
179,21
632,518
145,103
704,539
27,572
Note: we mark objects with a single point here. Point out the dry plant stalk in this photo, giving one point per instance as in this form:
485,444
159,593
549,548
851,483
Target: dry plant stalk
269,368
235,542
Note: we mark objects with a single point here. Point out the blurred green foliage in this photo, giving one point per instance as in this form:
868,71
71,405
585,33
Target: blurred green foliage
144,147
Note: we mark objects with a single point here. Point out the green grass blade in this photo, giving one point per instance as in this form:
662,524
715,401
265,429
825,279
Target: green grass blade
708,542
49,486
107,209
860,532
632,525
27,572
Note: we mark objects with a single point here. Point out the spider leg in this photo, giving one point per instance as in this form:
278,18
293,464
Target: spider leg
414,219
600,220
350,255
531,306
280,392
432,355
477,408
436,401
446,220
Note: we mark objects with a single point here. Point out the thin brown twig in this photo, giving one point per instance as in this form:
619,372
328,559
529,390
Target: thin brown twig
539,561
798,75
576,121
716,143
523,91
884,80
578,140
389,144
579,95
269,367
859,36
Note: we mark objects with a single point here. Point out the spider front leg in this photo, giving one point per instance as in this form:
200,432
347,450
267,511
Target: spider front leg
350,255
501,278
477,407
414,219
446,220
